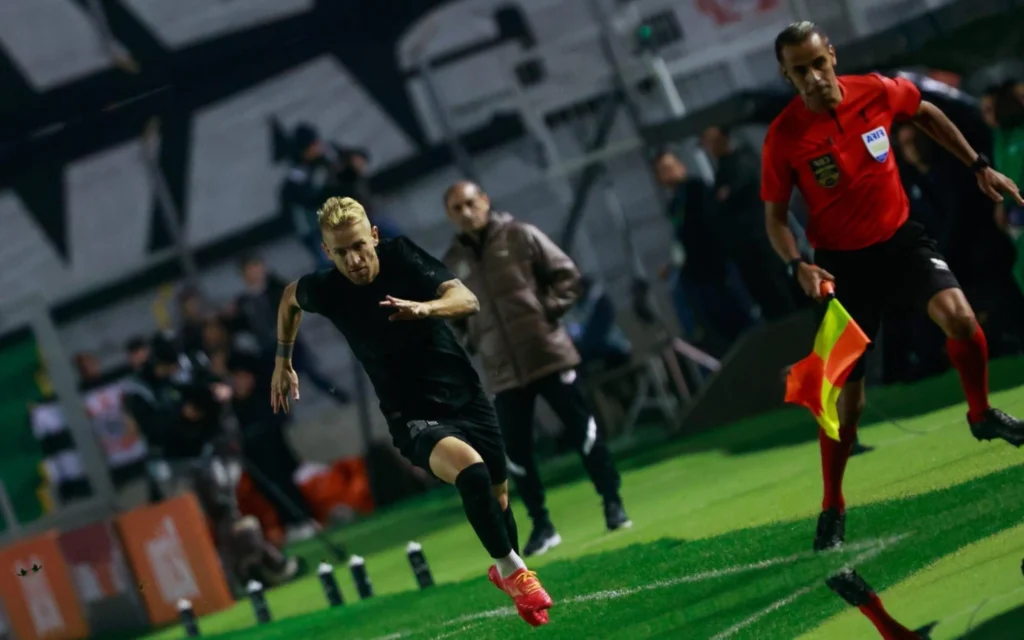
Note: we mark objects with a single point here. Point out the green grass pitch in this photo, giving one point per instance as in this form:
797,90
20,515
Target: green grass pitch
720,547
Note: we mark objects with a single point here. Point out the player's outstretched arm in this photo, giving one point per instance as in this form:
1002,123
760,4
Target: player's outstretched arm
453,301
940,128
285,383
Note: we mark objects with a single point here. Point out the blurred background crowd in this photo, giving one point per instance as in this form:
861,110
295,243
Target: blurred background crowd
172,203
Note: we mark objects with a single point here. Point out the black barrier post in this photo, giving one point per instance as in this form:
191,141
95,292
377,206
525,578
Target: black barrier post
258,598
419,565
330,585
357,566
188,618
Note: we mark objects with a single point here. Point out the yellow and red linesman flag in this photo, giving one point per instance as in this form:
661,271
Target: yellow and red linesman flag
815,381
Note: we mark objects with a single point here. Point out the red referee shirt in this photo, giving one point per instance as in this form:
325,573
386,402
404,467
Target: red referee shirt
842,162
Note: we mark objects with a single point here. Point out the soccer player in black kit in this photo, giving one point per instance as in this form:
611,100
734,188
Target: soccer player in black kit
391,300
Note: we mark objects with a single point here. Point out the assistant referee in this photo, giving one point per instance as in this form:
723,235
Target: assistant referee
832,144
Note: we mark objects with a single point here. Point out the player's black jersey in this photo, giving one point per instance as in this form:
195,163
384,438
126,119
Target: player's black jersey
417,367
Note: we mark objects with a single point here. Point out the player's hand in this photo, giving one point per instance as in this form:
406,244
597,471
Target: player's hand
405,309
810,277
284,384
994,184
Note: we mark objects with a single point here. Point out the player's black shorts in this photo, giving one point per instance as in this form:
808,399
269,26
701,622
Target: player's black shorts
475,423
903,272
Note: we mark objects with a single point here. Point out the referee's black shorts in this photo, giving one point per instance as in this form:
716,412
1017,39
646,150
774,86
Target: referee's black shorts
475,423
903,272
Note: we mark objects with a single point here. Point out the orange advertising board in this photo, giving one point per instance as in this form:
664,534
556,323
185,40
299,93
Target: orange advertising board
173,557
41,605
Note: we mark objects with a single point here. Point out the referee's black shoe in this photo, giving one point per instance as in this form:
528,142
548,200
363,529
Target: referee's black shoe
831,530
999,424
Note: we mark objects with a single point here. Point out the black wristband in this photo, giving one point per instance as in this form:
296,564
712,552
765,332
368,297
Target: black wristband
980,163
284,349
793,265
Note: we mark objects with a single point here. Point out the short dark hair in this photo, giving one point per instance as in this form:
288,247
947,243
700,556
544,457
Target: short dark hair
660,153
248,259
796,33
458,185
135,344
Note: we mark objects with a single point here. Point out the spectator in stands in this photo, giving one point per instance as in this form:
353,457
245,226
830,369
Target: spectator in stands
137,350
352,181
218,345
739,219
255,312
176,401
88,367
930,187
707,299
269,457
193,317
591,324
1008,158
305,187
912,344
525,285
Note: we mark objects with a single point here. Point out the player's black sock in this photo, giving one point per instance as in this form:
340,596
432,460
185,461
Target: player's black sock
482,509
511,528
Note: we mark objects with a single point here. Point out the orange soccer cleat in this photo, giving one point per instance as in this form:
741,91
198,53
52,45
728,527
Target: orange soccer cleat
532,601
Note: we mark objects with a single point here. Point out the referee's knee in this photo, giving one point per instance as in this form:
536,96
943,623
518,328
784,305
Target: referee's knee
951,311
961,325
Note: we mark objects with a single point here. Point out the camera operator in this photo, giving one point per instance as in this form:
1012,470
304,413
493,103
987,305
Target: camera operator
179,405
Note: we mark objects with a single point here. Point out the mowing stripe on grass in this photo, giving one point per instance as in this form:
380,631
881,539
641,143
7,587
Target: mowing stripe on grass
802,591
870,549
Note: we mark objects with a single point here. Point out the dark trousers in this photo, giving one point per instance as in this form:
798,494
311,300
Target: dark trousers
271,464
563,393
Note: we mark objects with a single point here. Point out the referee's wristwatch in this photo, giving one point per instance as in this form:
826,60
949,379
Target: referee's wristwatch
980,163
793,266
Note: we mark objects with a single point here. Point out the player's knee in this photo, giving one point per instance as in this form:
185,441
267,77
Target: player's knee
474,482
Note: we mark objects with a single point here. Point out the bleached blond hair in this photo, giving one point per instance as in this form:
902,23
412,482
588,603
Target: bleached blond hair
340,212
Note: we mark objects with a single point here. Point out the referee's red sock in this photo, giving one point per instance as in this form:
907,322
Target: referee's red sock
970,357
833,465
886,624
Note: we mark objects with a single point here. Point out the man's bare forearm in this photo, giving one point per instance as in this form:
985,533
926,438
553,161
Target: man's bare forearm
940,128
454,301
289,316
776,220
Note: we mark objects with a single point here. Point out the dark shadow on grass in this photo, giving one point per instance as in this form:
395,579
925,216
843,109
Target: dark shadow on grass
1007,626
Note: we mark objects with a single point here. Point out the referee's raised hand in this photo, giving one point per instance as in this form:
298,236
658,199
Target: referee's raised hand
994,185
810,277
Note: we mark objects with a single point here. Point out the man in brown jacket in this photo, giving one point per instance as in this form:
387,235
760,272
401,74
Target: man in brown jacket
525,284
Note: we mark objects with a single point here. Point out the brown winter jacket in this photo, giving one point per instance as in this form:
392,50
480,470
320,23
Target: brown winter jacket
525,284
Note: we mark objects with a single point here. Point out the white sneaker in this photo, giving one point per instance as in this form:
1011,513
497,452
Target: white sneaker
300,532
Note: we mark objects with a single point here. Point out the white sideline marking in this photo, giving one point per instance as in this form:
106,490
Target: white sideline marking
449,634
870,547
802,591
778,604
